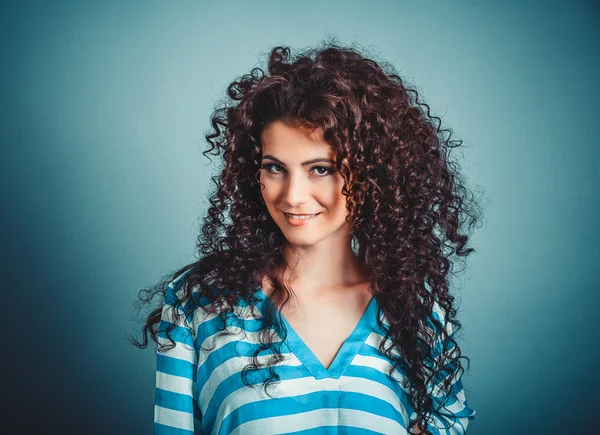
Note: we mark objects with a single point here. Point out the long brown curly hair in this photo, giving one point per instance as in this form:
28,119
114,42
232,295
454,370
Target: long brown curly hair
408,204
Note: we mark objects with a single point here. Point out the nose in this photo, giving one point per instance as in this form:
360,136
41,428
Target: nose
297,189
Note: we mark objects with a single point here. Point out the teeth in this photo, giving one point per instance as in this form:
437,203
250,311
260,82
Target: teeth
304,216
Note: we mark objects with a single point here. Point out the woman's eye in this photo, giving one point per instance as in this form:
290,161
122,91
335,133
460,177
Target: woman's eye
318,170
327,171
269,167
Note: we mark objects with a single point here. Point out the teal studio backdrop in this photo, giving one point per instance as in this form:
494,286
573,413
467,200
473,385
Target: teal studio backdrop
104,107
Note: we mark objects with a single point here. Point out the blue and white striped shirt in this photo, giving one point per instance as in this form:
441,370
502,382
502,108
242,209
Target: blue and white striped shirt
201,391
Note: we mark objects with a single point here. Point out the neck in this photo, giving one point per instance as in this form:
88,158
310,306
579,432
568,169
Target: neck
327,266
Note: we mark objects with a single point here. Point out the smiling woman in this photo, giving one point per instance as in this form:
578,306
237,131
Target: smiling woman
312,195
323,263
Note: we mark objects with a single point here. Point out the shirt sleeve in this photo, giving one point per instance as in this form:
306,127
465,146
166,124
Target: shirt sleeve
176,409
453,418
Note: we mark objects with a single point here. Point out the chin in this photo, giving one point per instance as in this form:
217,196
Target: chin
302,244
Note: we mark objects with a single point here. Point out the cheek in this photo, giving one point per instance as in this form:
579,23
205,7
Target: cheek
269,192
336,200
270,196
328,193
340,198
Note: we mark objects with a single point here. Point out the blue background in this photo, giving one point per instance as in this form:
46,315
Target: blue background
104,108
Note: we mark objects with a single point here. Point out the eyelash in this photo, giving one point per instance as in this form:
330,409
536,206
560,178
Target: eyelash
267,166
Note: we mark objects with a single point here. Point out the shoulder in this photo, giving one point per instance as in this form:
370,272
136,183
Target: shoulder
200,309
188,296
440,315
187,307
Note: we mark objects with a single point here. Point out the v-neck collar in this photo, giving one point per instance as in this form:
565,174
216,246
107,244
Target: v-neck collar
345,355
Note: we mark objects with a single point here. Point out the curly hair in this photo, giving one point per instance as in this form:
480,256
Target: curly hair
408,204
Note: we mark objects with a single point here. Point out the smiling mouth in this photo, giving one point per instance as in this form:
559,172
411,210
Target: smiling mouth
300,216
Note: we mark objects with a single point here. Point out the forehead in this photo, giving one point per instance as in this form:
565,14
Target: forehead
278,137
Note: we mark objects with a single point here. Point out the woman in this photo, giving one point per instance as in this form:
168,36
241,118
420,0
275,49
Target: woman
320,303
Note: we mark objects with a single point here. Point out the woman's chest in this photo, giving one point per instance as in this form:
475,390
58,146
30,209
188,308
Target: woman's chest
324,327
312,376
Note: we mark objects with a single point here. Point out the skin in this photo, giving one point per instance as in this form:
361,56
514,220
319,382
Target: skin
326,262
330,294
331,291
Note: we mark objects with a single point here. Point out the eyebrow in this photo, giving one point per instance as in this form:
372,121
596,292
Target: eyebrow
308,162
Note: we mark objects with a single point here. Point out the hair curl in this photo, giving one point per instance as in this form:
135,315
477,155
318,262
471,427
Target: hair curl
407,200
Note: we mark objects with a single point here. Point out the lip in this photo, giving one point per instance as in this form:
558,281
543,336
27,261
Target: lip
299,222
299,214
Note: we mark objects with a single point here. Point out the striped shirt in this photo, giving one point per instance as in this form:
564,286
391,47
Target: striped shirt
201,391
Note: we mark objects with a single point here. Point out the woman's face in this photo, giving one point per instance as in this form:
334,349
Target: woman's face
295,182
